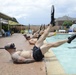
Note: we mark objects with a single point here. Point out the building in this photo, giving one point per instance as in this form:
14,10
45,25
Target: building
4,19
60,20
9,22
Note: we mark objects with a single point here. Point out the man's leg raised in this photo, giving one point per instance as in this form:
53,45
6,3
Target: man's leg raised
44,48
43,36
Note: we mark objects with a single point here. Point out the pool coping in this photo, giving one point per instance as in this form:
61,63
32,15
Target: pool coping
53,66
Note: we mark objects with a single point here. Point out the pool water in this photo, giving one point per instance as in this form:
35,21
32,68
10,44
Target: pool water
66,53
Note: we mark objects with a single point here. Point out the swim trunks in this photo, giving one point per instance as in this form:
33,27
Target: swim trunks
37,54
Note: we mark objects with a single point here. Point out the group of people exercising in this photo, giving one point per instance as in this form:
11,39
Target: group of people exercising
39,48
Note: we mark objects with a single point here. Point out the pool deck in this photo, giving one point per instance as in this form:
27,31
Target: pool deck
49,66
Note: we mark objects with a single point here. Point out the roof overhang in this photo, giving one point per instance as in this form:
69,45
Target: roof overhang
5,16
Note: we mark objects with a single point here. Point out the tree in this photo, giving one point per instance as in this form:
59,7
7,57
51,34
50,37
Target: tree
67,23
5,27
14,19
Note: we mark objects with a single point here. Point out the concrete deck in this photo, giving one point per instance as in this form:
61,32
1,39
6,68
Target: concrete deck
50,66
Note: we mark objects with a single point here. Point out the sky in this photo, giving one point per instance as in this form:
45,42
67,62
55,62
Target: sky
37,12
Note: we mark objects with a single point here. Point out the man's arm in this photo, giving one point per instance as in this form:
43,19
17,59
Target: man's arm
19,59
24,60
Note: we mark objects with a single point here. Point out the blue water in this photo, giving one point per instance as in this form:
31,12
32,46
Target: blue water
66,53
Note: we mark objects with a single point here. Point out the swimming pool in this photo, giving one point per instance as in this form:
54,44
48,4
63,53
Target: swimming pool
66,53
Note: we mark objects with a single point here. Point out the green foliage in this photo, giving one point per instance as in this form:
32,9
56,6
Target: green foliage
5,27
14,19
22,31
67,23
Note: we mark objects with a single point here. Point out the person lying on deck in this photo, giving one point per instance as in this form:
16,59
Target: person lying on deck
38,51
32,40
36,34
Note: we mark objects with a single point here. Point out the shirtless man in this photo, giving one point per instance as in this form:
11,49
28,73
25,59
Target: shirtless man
32,40
38,51
35,34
